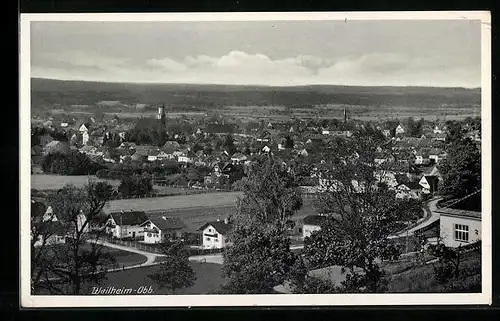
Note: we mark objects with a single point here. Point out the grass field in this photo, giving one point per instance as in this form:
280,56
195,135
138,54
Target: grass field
209,278
207,200
50,181
124,258
196,217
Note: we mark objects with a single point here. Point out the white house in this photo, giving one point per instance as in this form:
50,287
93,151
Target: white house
153,155
160,227
184,159
266,149
214,234
84,128
437,130
311,224
400,130
238,158
124,225
85,137
429,184
459,227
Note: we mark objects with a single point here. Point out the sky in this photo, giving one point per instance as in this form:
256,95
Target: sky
277,53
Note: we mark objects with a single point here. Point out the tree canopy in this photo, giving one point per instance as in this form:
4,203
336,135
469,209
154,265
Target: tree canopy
461,170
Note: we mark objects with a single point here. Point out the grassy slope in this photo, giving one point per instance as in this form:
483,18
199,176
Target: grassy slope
421,278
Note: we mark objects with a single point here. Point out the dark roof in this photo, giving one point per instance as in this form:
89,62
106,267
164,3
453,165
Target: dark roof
129,218
432,180
316,220
456,212
219,226
413,185
166,223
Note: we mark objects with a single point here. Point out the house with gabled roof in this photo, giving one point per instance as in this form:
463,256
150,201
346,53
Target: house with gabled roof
429,184
215,234
161,227
126,225
311,224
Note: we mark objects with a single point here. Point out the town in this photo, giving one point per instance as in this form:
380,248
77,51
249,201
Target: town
182,179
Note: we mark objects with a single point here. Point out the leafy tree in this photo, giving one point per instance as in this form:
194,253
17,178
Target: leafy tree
136,186
289,143
193,175
461,170
258,259
65,268
175,272
270,191
361,214
72,163
455,131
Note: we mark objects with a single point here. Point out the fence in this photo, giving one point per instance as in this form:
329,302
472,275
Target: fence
152,248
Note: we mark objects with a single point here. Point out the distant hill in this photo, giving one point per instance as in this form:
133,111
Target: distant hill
47,93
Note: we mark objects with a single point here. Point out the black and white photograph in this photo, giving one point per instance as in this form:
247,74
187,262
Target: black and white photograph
255,159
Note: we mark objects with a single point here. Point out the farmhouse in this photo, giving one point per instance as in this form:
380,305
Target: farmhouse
214,234
126,225
160,228
312,223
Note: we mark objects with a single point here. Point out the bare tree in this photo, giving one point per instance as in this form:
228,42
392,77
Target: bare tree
63,268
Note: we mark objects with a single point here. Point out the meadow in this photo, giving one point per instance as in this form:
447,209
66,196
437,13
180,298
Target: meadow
51,181
208,278
255,101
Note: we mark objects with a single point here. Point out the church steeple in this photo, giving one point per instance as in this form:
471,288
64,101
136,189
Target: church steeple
161,122
345,114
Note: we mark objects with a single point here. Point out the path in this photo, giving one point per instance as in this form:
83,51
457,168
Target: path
430,217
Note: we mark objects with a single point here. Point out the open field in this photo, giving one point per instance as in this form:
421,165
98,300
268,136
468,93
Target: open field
255,101
209,278
53,181
194,218
50,181
207,200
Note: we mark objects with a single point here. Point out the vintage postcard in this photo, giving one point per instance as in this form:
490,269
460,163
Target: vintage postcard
255,159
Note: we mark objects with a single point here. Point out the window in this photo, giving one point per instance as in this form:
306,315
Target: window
207,239
149,234
462,232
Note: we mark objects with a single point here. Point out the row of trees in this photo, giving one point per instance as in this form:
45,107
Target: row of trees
354,236
72,163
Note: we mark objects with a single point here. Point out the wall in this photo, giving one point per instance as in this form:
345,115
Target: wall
212,242
447,229
128,230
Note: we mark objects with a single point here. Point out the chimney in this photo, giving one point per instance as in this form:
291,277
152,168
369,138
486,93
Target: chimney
218,219
227,220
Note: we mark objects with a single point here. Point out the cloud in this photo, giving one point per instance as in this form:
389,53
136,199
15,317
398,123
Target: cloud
238,67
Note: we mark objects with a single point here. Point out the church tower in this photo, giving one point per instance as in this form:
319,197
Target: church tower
345,114
161,122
